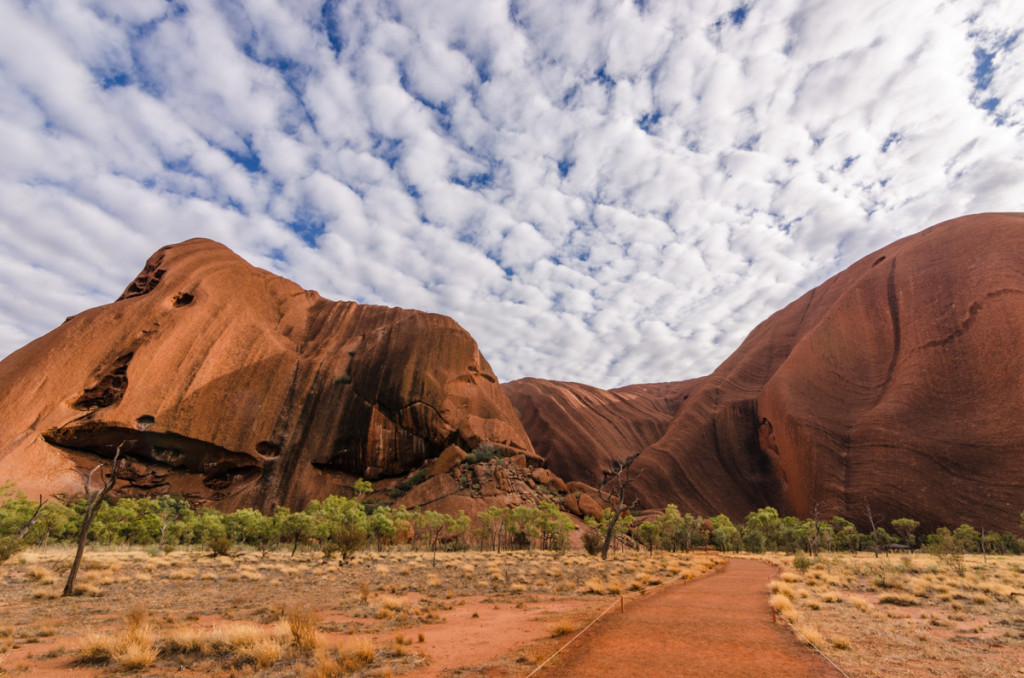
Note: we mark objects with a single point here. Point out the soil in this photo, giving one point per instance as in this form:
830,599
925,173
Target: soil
717,625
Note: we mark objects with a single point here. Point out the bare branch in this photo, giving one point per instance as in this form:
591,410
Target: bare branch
92,506
32,521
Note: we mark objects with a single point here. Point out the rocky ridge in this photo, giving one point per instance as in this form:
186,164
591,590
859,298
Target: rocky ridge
235,387
895,385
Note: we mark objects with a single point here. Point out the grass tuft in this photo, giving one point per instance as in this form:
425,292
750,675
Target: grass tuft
302,621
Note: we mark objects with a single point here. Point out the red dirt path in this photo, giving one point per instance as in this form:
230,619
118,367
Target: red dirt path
715,626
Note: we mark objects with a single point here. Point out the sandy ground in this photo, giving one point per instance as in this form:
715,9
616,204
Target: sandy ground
473,614
716,626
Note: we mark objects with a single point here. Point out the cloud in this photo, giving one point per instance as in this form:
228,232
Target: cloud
605,192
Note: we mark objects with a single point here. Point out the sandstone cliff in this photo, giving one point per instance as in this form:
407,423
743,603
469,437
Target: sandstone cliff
234,386
898,383
580,430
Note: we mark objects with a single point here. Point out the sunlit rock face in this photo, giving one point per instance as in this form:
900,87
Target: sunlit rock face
897,385
581,430
236,387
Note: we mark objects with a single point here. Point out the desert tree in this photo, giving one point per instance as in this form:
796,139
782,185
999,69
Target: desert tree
612,489
381,525
431,524
846,534
341,525
294,526
725,536
761,529
905,528
362,489
93,501
554,526
649,533
949,548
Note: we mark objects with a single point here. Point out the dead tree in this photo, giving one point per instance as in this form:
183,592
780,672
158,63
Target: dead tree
93,500
32,521
612,490
874,530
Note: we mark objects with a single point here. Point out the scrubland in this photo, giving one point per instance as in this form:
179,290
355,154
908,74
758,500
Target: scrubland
907,615
379,614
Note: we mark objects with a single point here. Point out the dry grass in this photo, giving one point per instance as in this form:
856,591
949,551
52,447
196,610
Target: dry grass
562,627
302,621
909,616
211,616
131,647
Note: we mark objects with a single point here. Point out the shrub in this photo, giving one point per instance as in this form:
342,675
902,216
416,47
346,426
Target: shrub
592,542
220,545
900,599
9,546
562,628
413,480
802,562
484,452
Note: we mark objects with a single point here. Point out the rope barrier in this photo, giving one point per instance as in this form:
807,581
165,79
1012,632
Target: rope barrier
621,602
806,639
816,648
541,665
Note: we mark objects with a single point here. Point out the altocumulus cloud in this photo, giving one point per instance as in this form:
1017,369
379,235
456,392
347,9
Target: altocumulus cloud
606,192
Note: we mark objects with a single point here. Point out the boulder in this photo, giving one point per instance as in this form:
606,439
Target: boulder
589,507
546,477
571,504
451,457
429,491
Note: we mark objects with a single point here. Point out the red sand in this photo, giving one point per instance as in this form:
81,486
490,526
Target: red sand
717,625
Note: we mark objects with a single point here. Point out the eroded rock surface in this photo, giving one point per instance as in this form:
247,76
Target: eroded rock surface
581,430
234,386
895,384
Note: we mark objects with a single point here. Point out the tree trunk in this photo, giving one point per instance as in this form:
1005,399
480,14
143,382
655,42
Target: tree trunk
93,500
611,531
83,535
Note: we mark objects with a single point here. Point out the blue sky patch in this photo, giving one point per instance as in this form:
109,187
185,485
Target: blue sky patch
983,68
739,15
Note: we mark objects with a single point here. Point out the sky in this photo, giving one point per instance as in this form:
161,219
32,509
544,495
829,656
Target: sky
602,192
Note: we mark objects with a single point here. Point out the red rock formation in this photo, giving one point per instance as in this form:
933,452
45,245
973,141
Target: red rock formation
581,430
235,386
897,383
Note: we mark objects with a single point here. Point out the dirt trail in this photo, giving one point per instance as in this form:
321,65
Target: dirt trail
717,625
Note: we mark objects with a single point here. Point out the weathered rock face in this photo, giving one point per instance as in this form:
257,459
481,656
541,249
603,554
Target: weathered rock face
231,385
580,430
898,383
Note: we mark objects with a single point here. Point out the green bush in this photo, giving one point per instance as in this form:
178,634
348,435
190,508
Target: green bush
483,453
802,562
413,480
220,545
9,546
